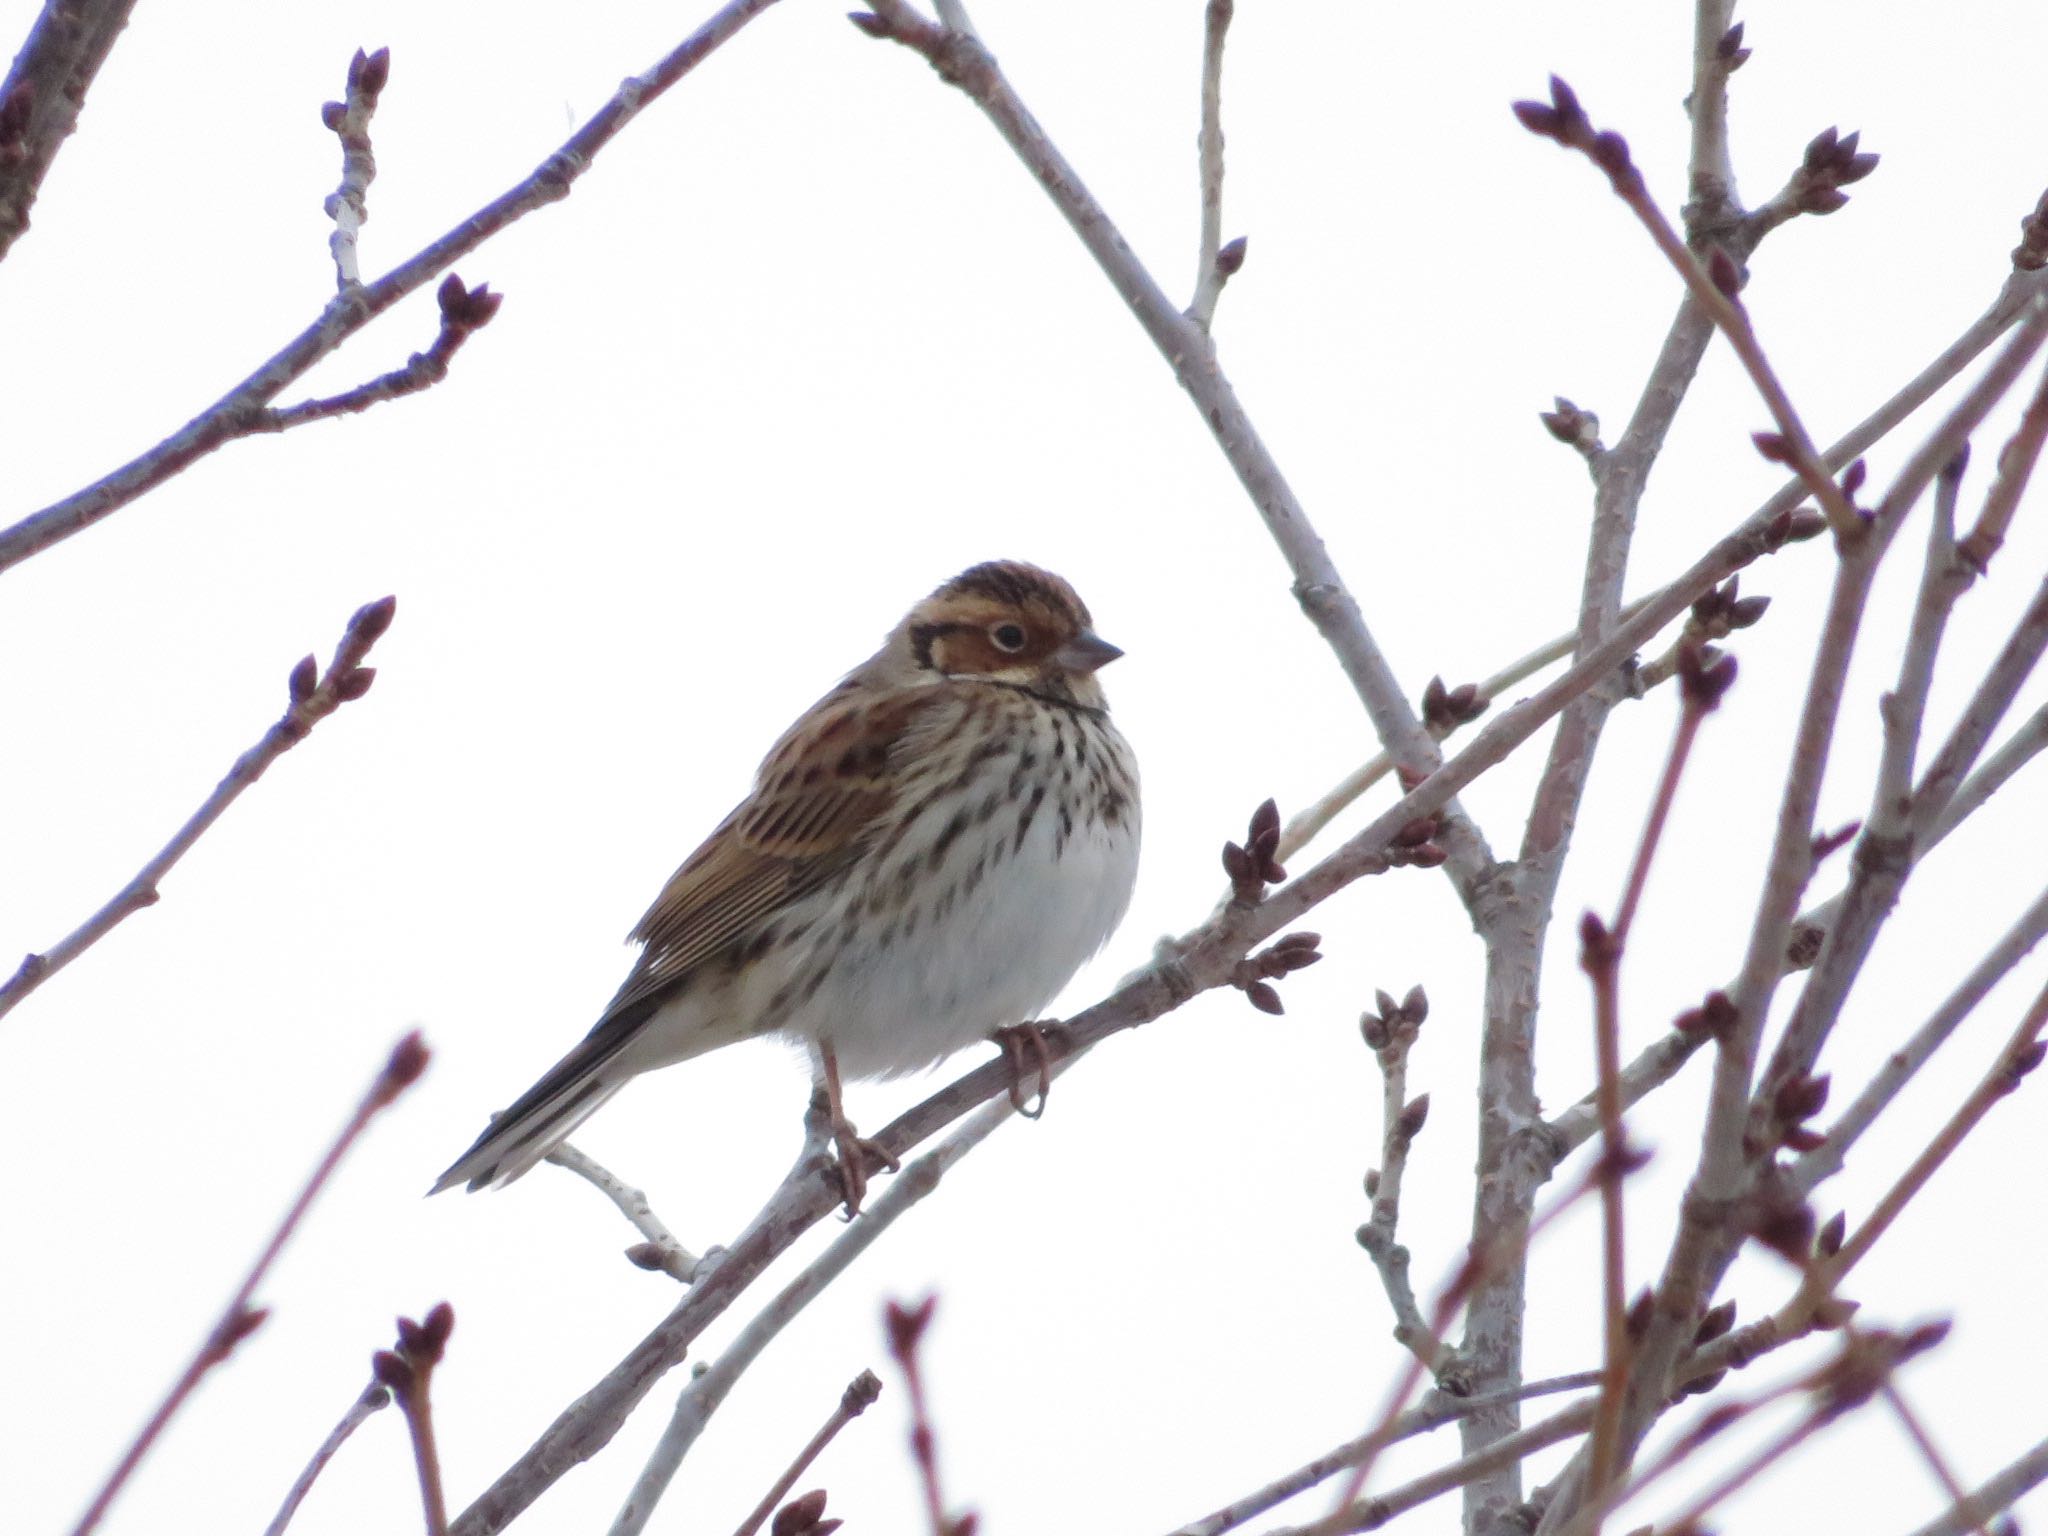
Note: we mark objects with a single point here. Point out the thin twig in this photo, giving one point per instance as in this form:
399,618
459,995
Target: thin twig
1994,695
859,1396
312,700
1706,680
1999,1492
239,412
371,1399
1930,1453
349,121
1426,1416
1390,1034
409,1372
1509,1450
1482,1262
239,1318
703,1396
464,311
1827,1159
1213,267
1713,287
2019,1056
905,1326
2014,469
660,1250
1716,54
1710,1424
1943,579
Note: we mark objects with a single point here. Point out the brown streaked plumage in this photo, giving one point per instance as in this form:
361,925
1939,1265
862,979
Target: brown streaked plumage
927,856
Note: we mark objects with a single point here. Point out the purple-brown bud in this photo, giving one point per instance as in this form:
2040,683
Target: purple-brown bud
905,1325
304,679
408,1060
1828,1241
392,1371
1724,272
369,622
1411,1120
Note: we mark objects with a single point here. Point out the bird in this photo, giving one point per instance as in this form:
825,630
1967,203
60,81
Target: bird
926,858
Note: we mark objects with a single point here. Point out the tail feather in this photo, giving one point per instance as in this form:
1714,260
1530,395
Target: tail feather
540,1120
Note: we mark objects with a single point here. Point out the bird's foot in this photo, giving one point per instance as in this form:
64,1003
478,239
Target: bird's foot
858,1157
1027,1048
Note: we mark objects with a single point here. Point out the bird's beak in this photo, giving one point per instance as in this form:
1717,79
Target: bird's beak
1086,652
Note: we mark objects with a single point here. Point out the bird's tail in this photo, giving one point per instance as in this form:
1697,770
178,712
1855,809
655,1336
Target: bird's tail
542,1117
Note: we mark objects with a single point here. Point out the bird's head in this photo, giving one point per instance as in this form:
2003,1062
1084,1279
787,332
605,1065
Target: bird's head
1008,622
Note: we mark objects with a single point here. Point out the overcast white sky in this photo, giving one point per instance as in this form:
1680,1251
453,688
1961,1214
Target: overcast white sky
805,342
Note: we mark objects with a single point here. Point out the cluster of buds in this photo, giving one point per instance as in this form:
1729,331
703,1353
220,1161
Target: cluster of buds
1704,675
804,1516
315,695
1831,163
1255,975
1395,1026
368,74
1254,865
1715,1016
407,1369
1564,120
1719,612
1415,845
1577,429
1798,1100
1445,709
465,309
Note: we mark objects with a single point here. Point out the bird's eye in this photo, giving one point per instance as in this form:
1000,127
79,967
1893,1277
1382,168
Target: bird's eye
1008,637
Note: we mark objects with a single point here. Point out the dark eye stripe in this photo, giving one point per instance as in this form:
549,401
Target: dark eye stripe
924,636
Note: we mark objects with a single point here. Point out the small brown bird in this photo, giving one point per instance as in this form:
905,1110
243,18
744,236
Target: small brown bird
927,857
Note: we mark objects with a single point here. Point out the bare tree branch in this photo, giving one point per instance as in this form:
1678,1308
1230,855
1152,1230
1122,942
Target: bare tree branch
1214,266
240,1318
1899,1068
241,411
859,1396
312,701
704,1395
1390,1034
1435,1411
370,1400
660,1250
43,95
2002,1491
349,119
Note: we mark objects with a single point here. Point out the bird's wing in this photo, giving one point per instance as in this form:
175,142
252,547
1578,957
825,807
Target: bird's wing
820,795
